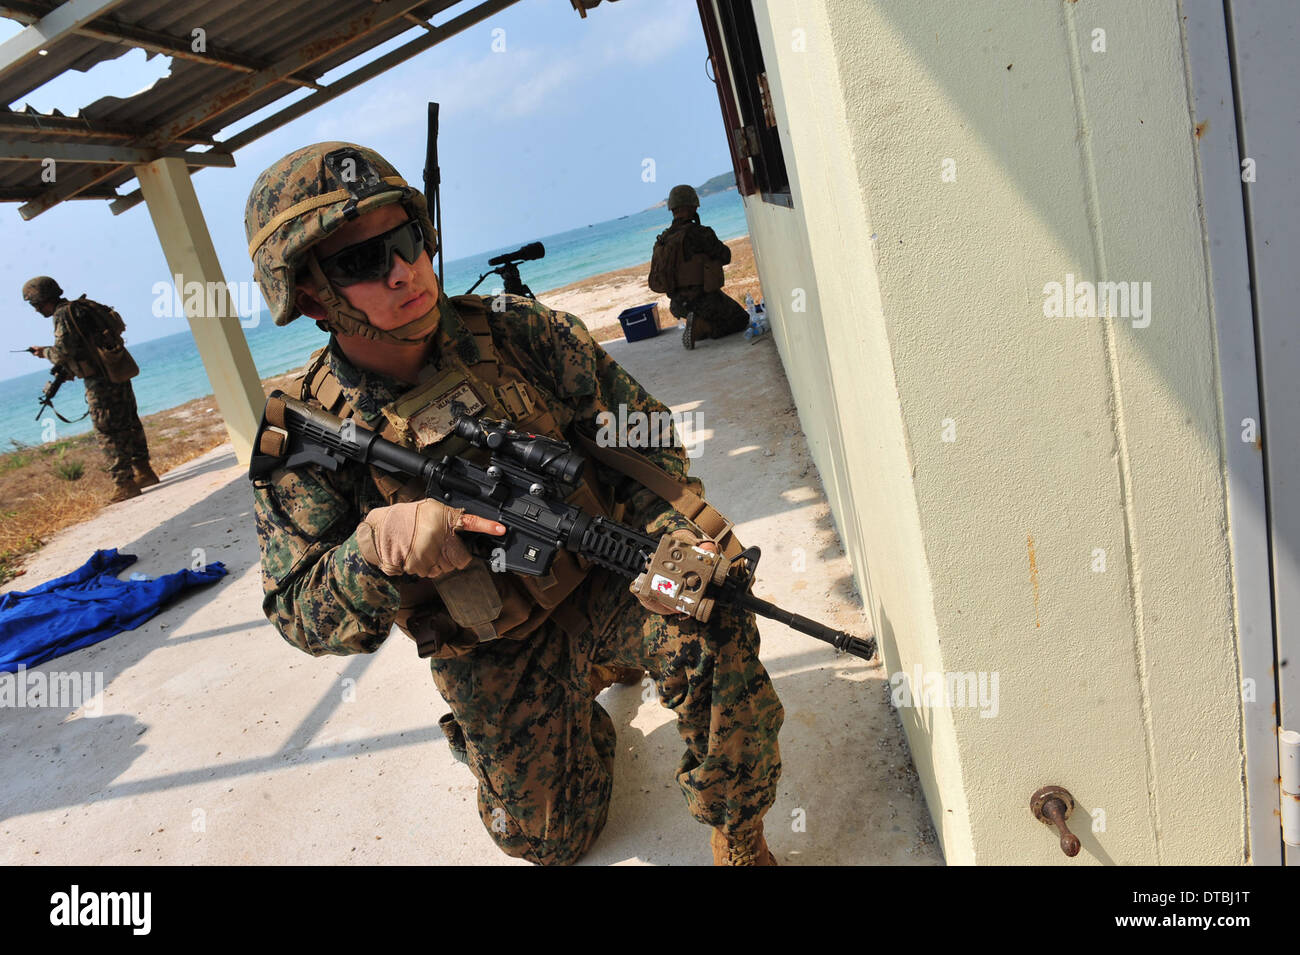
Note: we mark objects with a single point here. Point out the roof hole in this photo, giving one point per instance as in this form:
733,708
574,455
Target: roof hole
123,77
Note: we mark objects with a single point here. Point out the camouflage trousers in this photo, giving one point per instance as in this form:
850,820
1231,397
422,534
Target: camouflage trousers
117,426
542,748
716,314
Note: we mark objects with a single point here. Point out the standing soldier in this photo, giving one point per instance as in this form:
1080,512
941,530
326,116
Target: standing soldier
335,233
687,265
88,344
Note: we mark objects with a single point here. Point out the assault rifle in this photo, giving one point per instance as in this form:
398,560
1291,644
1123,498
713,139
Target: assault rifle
524,487
51,389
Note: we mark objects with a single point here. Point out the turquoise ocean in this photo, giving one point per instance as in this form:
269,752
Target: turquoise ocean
171,372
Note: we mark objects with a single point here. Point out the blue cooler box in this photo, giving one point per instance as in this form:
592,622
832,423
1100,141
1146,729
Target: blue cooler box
640,322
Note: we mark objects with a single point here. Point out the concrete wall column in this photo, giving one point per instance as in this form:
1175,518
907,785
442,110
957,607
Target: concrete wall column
213,319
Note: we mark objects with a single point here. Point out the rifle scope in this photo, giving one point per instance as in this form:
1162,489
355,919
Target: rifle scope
550,457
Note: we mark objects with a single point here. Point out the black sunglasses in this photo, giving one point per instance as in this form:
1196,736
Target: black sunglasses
372,259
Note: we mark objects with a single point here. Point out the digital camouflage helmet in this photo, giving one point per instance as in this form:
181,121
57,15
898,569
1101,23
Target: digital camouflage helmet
304,197
40,290
679,196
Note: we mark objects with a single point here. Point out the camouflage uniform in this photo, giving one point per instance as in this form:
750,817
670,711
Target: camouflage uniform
716,313
540,746
112,406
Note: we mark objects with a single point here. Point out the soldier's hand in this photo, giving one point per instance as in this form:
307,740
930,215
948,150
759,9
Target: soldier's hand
37,350
653,604
419,538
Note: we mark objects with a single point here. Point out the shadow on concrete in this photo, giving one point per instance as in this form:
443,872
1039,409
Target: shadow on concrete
751,454
94,782
848,793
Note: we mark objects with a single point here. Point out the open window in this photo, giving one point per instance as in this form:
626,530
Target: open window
746,99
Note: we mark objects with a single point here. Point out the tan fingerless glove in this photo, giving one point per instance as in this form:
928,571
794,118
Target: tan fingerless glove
416,538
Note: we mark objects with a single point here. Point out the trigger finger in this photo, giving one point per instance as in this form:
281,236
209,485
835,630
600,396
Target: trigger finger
481,525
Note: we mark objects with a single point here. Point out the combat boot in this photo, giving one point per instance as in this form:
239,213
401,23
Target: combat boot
455,737
125,489
144,476
688,333
603,677
746,847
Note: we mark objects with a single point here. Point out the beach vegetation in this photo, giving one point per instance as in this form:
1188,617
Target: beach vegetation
60,447
14,460
19,457
69,470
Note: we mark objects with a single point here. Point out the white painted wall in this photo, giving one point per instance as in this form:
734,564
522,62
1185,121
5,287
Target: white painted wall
1073,435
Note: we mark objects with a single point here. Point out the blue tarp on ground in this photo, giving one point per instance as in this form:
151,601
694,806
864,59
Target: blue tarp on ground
84,607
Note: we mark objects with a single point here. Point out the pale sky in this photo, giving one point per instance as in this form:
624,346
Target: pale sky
546,135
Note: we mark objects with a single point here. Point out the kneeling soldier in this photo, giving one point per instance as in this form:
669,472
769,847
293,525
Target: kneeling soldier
687,265
336,234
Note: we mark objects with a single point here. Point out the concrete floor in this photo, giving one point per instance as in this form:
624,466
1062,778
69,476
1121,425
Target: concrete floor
219,743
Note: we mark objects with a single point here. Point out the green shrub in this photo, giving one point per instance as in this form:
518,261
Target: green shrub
52,446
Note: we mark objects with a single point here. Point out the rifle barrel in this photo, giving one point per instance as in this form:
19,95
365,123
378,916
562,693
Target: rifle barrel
866,649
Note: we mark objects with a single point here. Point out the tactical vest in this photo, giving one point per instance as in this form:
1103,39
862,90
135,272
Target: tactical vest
479,605
673,272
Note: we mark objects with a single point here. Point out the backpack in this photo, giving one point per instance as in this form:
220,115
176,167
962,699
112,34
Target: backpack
102,332
667,260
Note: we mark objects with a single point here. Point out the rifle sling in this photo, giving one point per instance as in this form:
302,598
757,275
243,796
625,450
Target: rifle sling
63,419
685,501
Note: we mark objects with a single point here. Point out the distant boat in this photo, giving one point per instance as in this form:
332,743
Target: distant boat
622,217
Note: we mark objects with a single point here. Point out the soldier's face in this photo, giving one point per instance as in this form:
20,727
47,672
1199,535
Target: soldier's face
46,308
408,291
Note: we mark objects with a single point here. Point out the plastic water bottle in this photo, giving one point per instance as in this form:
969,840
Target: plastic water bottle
757,320
753,331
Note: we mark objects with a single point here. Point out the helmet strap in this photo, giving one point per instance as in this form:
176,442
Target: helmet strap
344,319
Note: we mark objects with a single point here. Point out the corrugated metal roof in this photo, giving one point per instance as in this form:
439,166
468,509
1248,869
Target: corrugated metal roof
256,54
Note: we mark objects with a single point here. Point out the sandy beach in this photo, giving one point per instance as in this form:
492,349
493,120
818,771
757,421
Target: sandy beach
40,499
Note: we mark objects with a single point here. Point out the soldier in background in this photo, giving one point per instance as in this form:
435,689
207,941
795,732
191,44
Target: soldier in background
83,330
687,265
